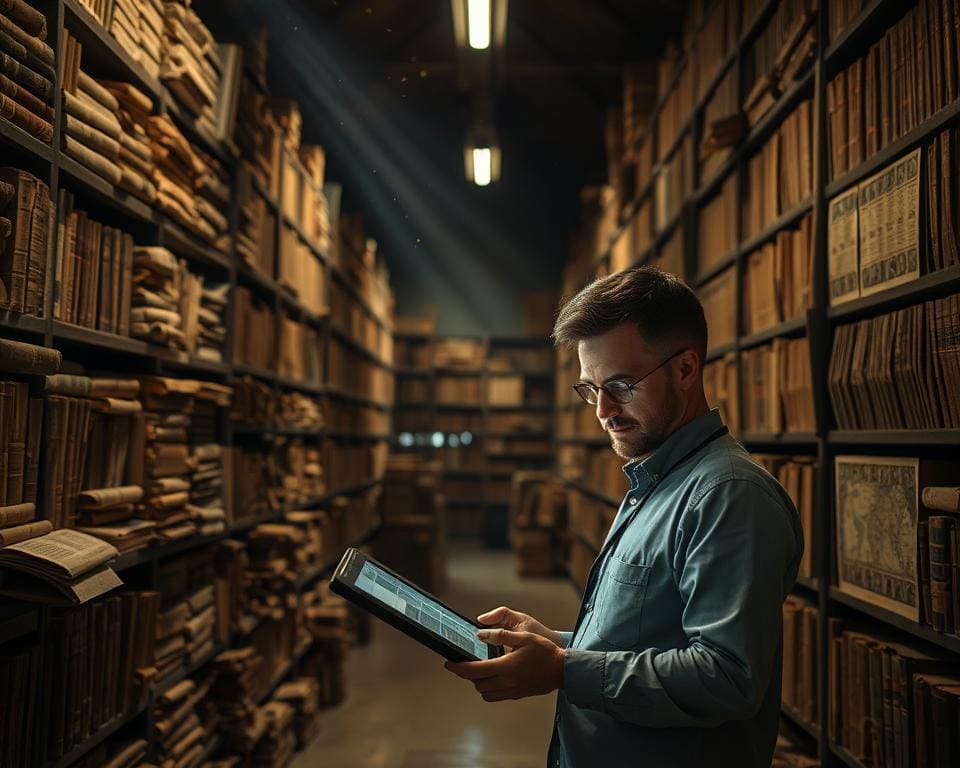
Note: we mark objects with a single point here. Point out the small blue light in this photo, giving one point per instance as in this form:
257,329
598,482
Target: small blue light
466,438
406,439
437,440
452,440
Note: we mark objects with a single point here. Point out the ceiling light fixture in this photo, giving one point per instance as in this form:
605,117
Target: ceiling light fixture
479,23
481,154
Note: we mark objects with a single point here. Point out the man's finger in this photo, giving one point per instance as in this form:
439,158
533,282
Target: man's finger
503,637
472,670
496,616
491,684
504,695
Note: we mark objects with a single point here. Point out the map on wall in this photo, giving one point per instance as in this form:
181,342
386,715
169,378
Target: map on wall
877,501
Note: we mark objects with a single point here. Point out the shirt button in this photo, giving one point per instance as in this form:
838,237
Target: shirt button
632,499
557,720
588,607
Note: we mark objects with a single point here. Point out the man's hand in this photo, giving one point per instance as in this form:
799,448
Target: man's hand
515,621
533,667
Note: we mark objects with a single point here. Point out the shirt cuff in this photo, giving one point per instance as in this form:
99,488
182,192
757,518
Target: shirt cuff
565,638
583,678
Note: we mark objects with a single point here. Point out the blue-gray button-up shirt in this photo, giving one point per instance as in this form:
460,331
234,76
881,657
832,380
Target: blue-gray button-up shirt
675,660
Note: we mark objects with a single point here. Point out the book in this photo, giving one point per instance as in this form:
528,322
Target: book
18,357
62,567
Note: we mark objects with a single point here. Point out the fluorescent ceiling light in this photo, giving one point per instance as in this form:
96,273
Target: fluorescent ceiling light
482,166
478,23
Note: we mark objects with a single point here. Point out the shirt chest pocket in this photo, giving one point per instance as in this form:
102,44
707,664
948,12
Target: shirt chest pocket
619,604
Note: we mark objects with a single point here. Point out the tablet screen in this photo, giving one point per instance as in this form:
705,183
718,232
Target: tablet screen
428,613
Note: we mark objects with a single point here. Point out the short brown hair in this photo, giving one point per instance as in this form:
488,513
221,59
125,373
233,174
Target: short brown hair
662,306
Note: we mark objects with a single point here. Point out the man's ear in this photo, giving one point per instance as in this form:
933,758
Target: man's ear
688,368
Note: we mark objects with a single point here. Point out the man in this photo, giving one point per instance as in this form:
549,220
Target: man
675,658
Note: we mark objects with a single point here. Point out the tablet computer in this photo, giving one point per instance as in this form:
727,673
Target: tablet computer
390,597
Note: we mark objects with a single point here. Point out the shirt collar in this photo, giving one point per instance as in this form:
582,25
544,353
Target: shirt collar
641,471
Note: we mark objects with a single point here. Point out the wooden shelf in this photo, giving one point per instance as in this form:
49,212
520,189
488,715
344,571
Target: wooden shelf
598,441
794,439
25,323
907,437
896,621
794,716
175,237
845,757
81,181
793,327
303,312
10,134
585,542
252,370
252,522
808,583
588,491
256,279
458,406
413,371
715,353
309,387
327,567
785,220
775,115
858,31
187,670
717,269
357,436
352,290
934,285
96,739
351,397
356,346
296,228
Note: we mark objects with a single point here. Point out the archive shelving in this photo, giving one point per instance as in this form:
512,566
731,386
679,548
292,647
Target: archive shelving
577,431
105,57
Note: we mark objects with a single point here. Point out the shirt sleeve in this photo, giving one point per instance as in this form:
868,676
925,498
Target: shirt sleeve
737,553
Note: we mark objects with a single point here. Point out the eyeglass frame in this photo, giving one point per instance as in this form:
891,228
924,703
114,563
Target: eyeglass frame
595,388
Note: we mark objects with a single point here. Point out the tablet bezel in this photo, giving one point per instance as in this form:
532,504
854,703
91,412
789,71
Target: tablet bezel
343,583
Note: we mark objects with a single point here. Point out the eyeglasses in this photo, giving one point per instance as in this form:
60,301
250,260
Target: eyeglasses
618,391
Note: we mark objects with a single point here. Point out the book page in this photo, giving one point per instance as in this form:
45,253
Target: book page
842,248
889,230
65,552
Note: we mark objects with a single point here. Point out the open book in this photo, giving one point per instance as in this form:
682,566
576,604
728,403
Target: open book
65,566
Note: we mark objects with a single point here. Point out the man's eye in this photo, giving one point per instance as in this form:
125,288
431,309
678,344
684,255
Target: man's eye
617,386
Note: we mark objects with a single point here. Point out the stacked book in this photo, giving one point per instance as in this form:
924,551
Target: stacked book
211,332
254,404
100,664
867,673
206,489
778,387
256,227
300,411
780,175
895,371
797,474
938,536
179,737
26,218
301,471
302,696
299,352
327,618
254,482
254,330
21,670
117,752
777,279
164,428
278,743
314,205
779,55
94,272
257,134
212,201
801,664
137,26
233,688
21,430
191,66
789,754
18,522
905,78
132,109
92,135
160,297
27,73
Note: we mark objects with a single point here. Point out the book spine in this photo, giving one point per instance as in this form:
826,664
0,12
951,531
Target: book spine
940,573
16,440
923,543
21,74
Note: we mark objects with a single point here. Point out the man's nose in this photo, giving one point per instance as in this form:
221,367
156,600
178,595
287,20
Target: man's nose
606,406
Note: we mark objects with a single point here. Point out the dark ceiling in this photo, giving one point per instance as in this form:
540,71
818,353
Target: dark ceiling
383,88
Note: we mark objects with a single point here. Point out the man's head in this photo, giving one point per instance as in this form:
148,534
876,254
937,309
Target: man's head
638,324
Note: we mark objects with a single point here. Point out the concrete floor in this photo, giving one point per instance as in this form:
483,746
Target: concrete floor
404,710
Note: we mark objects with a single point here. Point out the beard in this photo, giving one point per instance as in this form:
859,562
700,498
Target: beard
644,439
